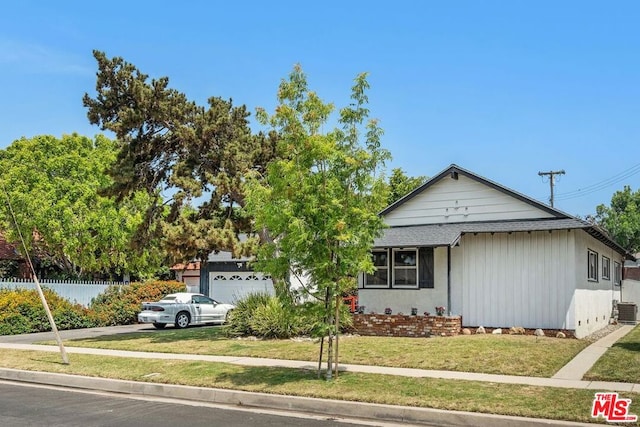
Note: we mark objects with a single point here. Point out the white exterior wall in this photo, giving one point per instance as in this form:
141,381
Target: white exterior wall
518,279
593,300
403,300
630,291
533,280
191,278
461,200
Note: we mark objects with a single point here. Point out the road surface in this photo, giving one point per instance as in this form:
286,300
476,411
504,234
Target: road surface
44,406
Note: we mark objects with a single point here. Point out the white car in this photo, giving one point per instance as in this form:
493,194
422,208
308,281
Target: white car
184,309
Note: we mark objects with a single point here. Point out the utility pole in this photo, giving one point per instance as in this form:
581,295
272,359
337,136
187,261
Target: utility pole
551,180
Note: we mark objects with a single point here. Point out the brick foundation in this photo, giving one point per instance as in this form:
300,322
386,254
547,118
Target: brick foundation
399,325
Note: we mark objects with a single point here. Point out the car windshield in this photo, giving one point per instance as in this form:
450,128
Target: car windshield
169,298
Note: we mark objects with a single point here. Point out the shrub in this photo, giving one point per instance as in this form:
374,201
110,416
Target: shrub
240,318
263,315
275,320
120,304
21,311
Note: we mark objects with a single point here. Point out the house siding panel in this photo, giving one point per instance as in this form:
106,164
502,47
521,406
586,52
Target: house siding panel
461,200
517,279
593,300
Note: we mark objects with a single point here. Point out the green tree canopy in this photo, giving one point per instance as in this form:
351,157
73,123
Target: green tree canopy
173,147
319,200
400,184
622,218
53,187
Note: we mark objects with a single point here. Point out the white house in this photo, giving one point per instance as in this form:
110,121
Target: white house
494,256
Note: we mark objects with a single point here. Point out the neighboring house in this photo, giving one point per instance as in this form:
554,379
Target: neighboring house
228,279
630,291
189,274
494,256
223,278
12,264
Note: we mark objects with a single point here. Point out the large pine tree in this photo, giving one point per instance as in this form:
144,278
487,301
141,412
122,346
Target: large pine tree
191,159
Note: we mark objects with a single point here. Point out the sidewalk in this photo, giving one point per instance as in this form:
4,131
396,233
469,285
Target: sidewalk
579,365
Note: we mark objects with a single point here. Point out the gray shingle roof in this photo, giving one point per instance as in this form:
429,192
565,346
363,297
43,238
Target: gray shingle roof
448,234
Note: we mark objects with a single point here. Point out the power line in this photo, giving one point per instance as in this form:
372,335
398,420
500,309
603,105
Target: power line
600,185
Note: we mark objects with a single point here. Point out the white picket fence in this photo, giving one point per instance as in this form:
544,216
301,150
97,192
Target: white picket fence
76,292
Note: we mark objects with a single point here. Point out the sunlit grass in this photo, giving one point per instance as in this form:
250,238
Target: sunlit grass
621,362
494,354
506,399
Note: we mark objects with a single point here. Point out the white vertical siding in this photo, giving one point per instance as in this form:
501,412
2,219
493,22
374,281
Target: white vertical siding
461,200
518,279
593,299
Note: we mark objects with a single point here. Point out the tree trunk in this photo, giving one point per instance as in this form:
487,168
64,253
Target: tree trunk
320,358
326,304
337,332
330,342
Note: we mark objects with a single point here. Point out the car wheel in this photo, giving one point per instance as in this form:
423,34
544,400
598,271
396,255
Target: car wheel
228,316
182,320
159,325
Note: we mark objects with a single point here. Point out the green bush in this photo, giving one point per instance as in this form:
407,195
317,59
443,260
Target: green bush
240,318
275,320
266,316
120,304
21,311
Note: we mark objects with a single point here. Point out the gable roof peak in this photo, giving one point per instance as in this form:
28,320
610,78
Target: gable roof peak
454,170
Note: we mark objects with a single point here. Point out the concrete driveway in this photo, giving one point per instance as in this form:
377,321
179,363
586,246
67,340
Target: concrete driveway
75,334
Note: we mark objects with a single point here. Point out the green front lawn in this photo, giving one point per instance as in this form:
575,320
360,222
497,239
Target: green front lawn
621,362
505,399
494,354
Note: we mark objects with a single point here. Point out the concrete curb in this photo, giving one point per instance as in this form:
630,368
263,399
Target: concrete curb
281,402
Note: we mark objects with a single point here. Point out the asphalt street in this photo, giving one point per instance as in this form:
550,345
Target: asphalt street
37,406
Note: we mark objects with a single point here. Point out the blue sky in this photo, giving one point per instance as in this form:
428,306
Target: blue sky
503,88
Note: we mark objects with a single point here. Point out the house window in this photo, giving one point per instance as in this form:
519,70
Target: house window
606,268
380,277
592,265
405,268
617,273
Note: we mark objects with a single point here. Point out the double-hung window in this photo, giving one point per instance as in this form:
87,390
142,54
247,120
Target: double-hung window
405,268
380,277
617,273
606,268
592,265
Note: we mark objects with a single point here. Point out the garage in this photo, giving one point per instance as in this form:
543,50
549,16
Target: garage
230,287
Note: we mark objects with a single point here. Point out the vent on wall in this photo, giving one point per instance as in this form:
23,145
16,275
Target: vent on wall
627,312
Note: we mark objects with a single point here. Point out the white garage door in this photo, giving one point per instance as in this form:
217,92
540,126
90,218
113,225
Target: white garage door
231,287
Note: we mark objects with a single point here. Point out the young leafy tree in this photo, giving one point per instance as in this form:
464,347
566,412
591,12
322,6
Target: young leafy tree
622,218
320,198
400,184
53,187
187,153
